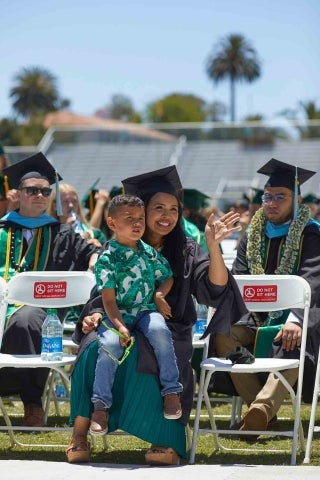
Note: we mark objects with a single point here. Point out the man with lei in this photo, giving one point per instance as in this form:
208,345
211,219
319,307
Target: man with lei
31,240
282,239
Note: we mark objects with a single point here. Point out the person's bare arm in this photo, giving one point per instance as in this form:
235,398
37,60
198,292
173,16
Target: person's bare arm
215,232
113,312
13,200
102,199
159,298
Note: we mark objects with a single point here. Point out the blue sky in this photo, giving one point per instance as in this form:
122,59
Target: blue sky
146,49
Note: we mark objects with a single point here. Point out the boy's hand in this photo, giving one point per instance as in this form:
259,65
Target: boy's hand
91,322
126,337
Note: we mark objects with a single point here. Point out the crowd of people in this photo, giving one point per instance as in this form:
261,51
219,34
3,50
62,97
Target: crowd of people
154,247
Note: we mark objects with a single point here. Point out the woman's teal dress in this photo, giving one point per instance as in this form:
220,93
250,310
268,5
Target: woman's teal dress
137,404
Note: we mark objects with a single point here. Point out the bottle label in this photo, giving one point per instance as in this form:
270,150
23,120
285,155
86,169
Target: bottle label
51,344
60,391
200,327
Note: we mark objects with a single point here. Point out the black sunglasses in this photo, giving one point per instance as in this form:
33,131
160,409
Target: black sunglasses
33,191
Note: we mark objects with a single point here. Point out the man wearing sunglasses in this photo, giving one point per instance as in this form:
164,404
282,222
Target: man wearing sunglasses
32,240
282,239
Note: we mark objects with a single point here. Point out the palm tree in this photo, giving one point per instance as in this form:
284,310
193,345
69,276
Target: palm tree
312,113
235,58
35,92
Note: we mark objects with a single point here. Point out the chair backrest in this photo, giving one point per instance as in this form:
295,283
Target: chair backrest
264,293
229,258
56,289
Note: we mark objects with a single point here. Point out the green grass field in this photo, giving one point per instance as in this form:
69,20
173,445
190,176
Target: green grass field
128,449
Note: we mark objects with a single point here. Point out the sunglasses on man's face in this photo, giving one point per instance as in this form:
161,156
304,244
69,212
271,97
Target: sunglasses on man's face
34,191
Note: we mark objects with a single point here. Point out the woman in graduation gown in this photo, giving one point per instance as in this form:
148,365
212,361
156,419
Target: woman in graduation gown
137,404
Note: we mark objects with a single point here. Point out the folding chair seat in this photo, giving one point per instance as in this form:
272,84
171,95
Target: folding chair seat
312,427
55,289
262,293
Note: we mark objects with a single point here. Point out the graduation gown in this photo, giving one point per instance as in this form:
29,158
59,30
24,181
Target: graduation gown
137,404
308,268
59,249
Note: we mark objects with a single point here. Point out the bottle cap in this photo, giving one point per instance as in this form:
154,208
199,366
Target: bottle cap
51,311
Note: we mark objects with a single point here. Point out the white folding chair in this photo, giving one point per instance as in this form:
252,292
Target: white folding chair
234,400
53,289
229,258
312,427
262,293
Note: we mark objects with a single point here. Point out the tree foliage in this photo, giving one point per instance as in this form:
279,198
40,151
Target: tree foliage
179,107
17,134
35,93
312,112
234,58
121,108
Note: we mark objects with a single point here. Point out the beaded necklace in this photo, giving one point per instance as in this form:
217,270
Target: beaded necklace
292,243
15,261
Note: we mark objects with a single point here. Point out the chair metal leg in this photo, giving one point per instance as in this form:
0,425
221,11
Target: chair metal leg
315,399
197,418
8,423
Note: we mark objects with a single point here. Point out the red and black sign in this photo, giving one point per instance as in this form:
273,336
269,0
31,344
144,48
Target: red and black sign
50,290
261,293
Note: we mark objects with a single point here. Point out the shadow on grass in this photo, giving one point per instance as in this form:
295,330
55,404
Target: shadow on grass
125,449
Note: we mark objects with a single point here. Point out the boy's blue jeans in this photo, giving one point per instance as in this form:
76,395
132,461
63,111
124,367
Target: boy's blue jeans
154,327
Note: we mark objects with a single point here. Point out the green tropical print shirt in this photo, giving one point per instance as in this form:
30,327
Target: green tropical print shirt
134,275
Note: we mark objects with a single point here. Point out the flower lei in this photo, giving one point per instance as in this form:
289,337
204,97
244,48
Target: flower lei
291,247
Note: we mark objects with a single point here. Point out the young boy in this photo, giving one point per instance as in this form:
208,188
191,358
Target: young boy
133,279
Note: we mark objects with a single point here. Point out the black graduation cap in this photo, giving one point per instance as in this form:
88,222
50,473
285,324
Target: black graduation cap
283,174
256,196
36,166
311,198
115,191
3,190
193,198
164,180
88,200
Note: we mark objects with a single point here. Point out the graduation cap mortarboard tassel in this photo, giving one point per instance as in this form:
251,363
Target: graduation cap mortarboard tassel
6,184
58,197
296,188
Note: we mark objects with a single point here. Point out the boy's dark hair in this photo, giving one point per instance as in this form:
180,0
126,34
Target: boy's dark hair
124,199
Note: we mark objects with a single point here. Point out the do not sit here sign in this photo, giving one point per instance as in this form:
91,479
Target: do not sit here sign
261,293
50,289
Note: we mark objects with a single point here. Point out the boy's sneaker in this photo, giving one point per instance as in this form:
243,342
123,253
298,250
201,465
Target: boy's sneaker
172,406
99,422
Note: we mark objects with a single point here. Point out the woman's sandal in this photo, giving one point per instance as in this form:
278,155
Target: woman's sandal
78,452
161,456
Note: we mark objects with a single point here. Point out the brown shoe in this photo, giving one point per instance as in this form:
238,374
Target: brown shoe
255,419
33,416
99,422
161,456
78,451
172,406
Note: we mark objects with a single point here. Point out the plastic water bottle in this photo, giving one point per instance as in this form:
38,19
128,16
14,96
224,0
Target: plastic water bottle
76,225
60,388
51,346
201,323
